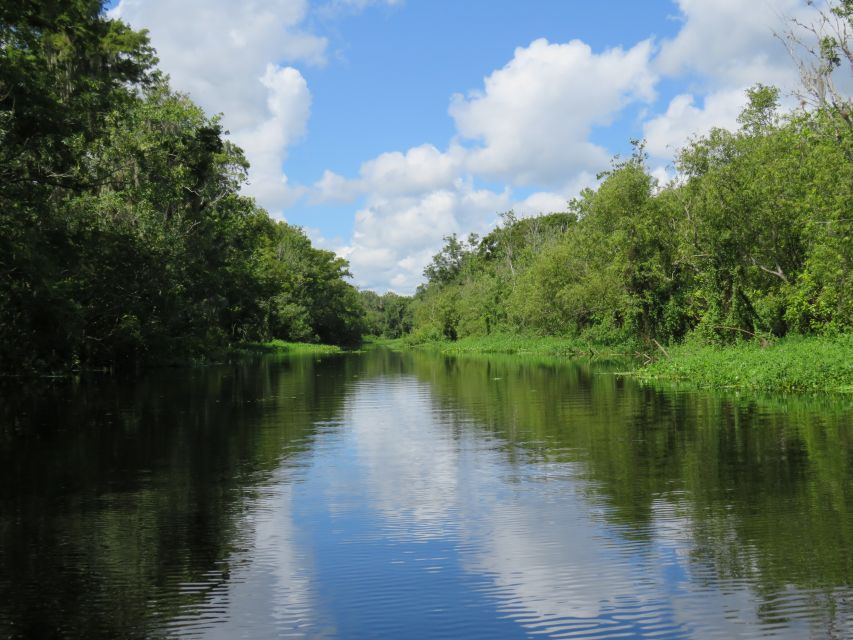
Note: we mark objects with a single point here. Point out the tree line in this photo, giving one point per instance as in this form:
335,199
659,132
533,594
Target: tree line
753,239
123,234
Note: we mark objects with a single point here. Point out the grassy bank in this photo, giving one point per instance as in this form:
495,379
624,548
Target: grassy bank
280,346
521,345
791,364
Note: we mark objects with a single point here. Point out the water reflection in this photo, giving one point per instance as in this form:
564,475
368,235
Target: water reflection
703,515
123,504
411,495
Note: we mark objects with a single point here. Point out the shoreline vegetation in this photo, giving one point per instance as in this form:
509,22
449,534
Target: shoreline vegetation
508,344
794,364
734,272
282,346
213,357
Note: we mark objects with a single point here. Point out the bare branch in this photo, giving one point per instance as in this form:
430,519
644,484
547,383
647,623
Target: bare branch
819,50
773,272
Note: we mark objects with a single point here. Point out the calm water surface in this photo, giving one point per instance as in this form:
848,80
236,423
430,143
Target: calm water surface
385,495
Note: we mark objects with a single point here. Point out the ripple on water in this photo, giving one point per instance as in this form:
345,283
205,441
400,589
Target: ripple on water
408,496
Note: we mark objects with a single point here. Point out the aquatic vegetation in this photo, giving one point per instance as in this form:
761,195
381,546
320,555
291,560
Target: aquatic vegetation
793,363
294,347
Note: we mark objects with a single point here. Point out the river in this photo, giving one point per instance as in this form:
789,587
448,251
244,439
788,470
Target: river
412,495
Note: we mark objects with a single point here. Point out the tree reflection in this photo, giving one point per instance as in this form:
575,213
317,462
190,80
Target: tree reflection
764,484
115,496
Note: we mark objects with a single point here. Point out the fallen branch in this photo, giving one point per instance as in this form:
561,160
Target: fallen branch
645,356
659,346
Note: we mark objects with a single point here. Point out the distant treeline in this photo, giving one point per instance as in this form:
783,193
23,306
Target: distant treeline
123,236
752,239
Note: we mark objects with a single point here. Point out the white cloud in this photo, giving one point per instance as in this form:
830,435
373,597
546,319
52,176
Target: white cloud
534,116
333,187
396,236
725,46
540,202
420,170
414,200
731,43
289,105
229,57
218,50
667,133
417,171
531,125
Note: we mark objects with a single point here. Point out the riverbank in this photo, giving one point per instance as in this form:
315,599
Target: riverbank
178,361
515,345
283,346
792,364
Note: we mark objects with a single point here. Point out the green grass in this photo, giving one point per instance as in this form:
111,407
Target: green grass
791,364
379,341
523,345
281,346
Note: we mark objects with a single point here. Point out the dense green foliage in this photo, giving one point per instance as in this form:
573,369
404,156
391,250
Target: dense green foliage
752,240
388,315
123,235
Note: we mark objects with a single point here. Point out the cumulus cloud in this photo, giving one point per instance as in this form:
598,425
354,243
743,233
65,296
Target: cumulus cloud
289,105
725,46
534,116
529,125
412,200
218,50
395,236
419,170
415,199
332,187
732,43
230,57
668,132
540,202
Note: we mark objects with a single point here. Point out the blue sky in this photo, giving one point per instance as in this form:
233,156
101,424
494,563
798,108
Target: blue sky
381,126
397,67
